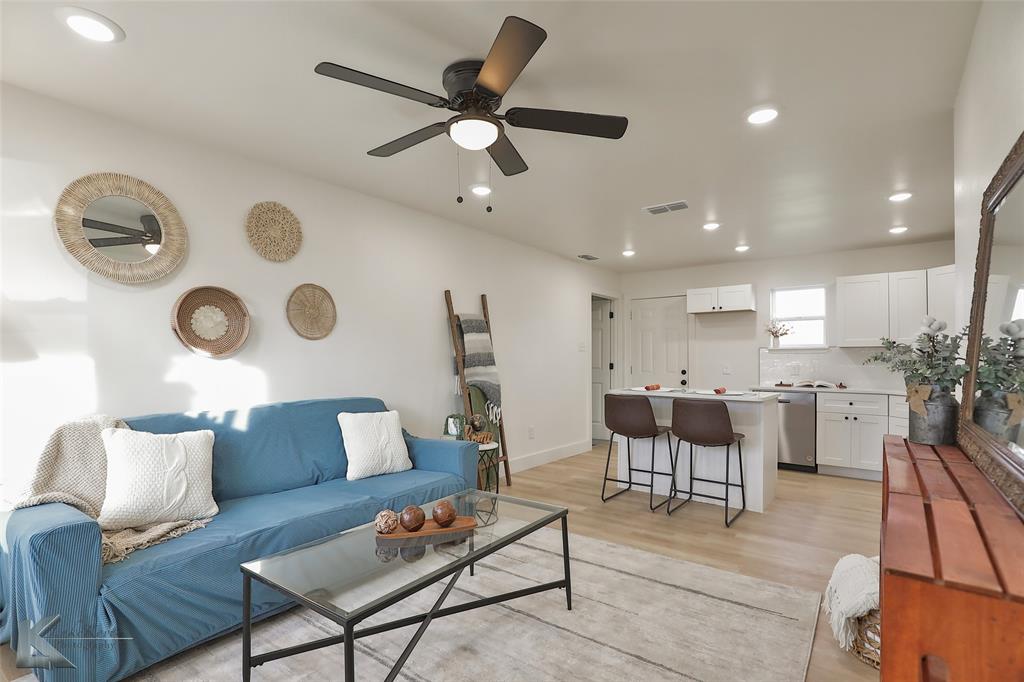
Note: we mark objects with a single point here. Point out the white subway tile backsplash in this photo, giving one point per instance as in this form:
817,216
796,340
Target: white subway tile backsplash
831,364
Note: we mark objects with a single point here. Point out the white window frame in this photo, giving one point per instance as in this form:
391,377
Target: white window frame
823,317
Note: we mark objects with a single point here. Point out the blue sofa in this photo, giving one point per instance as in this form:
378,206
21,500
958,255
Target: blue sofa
279,479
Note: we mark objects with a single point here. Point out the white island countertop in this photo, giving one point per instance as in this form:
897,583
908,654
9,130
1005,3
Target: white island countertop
762,396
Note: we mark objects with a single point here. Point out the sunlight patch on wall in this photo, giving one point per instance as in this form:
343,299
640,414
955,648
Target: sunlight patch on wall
220,386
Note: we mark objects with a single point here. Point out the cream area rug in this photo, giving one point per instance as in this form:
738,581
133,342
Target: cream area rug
636,616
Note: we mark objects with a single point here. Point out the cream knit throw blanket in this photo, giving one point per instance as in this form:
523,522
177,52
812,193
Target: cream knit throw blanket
852,592
73,470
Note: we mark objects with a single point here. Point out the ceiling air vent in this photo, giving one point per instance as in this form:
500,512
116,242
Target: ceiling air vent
658,209
586,256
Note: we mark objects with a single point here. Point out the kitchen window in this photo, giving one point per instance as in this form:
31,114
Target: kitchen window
802,309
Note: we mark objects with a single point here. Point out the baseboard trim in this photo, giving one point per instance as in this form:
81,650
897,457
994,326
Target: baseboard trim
849,472
534,459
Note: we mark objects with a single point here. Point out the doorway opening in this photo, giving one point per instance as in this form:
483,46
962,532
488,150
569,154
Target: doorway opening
602,361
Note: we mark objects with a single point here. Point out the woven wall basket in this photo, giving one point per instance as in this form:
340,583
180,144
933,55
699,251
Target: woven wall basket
311,311
70,210
210,321
274,231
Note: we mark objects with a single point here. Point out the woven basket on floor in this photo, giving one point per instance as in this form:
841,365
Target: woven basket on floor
234,311
867,645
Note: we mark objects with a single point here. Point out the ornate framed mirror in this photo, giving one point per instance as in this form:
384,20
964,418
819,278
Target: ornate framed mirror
120,227
990,430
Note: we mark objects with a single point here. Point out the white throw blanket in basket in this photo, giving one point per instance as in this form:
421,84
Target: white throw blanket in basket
73,470
852,592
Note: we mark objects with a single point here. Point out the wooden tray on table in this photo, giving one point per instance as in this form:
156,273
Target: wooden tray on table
429,534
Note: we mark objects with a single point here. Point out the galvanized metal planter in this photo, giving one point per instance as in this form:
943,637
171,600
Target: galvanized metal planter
992,413
938,426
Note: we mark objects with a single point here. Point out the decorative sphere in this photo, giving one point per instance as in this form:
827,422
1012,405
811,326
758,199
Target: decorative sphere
386,554
477,422
386,522
444,513
412,518
412,554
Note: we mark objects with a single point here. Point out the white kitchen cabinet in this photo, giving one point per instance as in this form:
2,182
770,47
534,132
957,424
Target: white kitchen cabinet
835,439
898,407
721,299
862,309
908,304
702,300
736,297
942,294
866,441
853,403
899,426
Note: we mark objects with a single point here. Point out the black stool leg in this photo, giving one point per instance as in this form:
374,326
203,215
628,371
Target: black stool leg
654,443
675,490
743,490
607,464
726,486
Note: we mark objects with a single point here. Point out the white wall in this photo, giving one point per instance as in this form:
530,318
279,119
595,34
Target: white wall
733,339
75,343
989,117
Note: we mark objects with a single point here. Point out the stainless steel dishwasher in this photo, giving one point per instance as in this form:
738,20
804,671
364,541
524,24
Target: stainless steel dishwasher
797,434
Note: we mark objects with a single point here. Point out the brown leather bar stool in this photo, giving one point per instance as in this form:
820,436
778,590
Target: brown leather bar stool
706,423
633,417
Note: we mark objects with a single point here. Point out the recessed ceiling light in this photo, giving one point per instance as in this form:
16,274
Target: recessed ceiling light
762,115
711,226
480,190
91,25
900,196
629,252
899,229
742,247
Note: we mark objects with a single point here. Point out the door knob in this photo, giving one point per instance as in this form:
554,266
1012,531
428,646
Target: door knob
683,382
683,372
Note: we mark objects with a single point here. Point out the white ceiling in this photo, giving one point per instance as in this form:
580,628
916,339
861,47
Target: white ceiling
865,90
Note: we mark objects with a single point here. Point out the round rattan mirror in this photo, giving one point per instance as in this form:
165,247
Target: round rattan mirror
120,227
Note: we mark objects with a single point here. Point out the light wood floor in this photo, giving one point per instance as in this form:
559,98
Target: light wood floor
813,521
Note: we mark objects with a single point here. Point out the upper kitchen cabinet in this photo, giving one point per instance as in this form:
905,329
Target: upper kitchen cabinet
720,299
862,309
908,303
891,304
942,293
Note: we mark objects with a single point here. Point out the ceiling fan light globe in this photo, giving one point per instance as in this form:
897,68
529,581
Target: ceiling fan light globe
474,133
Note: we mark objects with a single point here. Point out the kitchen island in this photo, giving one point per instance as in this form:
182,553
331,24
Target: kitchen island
755,415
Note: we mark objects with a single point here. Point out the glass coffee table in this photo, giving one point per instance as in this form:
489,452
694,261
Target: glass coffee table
349,577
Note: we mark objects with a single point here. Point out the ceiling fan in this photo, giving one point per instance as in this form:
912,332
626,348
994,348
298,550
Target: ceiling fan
475,89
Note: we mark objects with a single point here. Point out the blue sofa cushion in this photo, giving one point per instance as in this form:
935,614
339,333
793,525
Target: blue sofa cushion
196,576
269,448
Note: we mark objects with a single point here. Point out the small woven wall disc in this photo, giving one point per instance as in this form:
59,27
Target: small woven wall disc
311,311
273,231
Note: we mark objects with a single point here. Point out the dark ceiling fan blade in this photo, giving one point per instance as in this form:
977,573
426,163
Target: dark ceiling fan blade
100,242
507,156
343,73
596,125
513,48
406,141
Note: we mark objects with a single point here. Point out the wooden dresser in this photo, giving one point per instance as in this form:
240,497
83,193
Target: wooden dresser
952,564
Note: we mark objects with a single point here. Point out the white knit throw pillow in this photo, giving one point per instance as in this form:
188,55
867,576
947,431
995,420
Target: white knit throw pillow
156,478
374,444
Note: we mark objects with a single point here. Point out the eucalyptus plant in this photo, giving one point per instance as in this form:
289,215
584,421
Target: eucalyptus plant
933,359
1001,363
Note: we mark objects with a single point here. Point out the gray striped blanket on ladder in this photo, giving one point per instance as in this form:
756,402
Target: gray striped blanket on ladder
479,362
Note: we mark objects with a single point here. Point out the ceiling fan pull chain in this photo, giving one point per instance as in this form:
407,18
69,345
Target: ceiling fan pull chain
489,186
458,174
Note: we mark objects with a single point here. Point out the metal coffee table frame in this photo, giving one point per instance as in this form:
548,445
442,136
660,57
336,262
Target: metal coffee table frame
353,618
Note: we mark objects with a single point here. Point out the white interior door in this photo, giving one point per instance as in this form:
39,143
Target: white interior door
600,362
658,347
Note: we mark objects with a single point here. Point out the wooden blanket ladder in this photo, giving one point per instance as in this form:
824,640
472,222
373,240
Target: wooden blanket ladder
460,364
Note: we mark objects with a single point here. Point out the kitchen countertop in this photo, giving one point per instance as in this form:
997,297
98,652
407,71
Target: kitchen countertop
763,395
852,389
